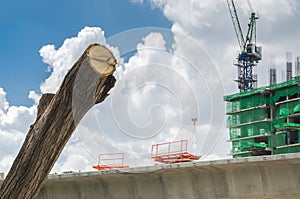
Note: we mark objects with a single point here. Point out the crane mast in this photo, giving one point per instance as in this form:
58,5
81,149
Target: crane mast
250,54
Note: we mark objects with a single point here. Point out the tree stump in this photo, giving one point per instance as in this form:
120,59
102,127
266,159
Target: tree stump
86,84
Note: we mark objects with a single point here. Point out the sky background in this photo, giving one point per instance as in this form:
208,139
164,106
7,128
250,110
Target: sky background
178,69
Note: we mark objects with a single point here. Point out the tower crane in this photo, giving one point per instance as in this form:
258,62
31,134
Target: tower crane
250,54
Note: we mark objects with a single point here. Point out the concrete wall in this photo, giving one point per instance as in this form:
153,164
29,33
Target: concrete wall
249,178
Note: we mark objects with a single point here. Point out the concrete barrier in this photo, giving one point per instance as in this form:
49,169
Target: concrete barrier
261,177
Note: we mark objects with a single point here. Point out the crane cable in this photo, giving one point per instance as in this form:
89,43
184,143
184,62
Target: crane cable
250,6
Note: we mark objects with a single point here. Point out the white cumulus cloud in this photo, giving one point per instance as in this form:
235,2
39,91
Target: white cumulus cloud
3,102
62,59
14,124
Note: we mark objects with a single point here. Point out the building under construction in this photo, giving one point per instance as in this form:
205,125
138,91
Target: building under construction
265,120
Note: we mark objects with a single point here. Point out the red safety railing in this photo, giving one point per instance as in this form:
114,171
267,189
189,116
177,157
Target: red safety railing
110,161
172,152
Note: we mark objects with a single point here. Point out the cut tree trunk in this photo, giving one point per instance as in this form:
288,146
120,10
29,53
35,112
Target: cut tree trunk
86,84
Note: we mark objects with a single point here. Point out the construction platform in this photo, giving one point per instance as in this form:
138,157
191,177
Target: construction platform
262,177
110,161
172,152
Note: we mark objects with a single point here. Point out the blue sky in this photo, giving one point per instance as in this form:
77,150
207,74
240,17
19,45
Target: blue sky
28,25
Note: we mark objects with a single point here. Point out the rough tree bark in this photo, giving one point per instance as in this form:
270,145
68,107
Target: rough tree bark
86,84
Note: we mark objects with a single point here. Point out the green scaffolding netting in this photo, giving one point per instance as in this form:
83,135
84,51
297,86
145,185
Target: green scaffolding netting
296,109
246,103
277,140
286,125
285,110
287,91
292,149
258,90
259,99
241,148
242,145
288,109
261,128
247,117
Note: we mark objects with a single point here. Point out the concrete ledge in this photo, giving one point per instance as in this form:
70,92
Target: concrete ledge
250,178
200,163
